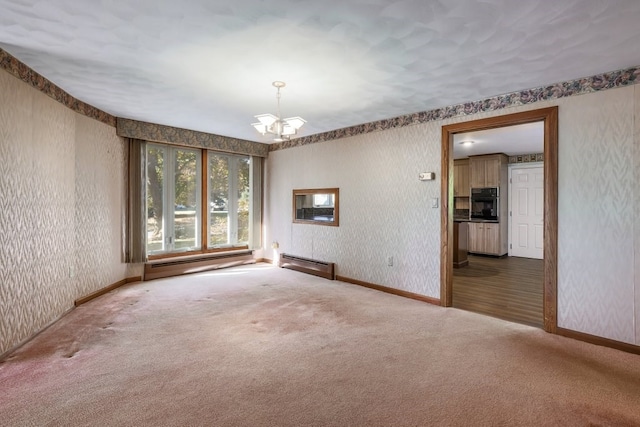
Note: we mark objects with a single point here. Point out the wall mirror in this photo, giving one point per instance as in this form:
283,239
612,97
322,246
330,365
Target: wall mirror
316,206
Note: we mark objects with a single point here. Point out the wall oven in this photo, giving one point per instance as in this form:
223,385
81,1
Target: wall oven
485,203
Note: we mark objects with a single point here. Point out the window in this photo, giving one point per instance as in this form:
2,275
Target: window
176,182
173,199
229,200
316,206
323,200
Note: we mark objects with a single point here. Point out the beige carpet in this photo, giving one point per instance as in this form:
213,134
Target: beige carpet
262,346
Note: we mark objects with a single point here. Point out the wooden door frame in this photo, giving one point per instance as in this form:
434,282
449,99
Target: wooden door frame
550,287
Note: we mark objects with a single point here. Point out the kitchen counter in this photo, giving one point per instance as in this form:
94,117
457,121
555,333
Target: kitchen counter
489,221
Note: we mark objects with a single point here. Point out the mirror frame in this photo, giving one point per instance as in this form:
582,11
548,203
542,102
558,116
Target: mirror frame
336,206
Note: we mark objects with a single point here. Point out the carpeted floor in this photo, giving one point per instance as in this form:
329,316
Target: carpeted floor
262,346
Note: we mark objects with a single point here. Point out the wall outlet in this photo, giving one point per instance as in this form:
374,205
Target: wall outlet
390,261
275,245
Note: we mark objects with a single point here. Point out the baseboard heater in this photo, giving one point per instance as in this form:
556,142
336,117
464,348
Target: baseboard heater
196,264
306,265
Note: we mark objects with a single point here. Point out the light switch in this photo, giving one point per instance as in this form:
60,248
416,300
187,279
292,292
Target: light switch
434,202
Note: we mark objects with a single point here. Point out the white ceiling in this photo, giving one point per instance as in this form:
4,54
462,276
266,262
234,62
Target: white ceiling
510,140
208,65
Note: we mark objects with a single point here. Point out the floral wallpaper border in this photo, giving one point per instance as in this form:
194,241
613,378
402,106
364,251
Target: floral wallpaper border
16,68
160,133
610,80
527,158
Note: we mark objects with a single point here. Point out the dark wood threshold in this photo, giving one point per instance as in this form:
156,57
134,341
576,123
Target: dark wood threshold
592,339
389,290
106,289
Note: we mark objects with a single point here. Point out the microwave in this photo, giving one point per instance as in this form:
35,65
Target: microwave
485,204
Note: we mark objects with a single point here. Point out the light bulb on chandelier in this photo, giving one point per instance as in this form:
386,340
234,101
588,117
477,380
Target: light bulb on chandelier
282,129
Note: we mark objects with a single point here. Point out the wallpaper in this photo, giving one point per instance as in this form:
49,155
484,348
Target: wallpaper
62,199
596,215
37,137
60,209
126,127
591,84
385,211
527,158
99,188
636,209
27,75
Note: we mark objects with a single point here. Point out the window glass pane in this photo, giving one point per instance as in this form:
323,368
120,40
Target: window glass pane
243,197
174,205
173,199
218,200
323,200
155,199
185,213
229,199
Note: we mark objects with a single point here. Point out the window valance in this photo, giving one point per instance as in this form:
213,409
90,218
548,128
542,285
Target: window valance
170,135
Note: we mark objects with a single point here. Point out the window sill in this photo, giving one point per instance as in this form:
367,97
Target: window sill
198,254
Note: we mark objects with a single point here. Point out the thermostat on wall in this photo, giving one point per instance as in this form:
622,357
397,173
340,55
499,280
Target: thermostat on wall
427,176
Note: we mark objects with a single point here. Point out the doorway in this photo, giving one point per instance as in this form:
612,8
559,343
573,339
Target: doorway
549,116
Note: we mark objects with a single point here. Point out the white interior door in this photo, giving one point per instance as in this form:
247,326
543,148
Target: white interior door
526,207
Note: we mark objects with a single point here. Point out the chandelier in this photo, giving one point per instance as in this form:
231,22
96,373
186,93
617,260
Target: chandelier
282,129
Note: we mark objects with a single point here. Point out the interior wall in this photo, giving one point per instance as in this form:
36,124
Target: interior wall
61,204
636,208
100,206
596,219
385,211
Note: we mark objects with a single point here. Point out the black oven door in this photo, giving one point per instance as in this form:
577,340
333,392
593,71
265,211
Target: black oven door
484,204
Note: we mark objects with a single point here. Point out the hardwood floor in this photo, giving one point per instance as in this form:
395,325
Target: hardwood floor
509,288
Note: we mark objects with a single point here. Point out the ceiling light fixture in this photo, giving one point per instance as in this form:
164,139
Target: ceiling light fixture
467,143
282,129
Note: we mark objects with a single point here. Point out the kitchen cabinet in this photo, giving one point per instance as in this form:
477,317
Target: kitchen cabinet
461,187
461,184
460,244
488,171
486,238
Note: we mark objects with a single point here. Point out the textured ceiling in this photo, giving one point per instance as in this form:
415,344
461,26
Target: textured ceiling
511,140
208,65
